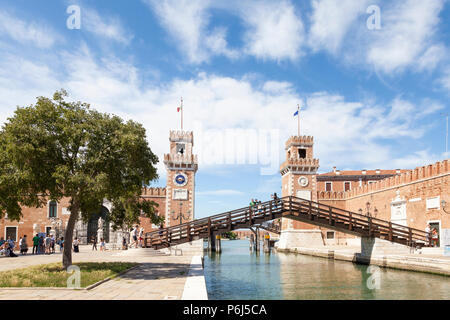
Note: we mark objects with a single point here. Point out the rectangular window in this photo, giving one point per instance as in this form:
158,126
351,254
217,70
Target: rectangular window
302,153
347,186
330,234
11,232
328,186
52,210
47,230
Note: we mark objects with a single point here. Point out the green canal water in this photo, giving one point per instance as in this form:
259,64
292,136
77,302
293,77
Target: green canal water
238,274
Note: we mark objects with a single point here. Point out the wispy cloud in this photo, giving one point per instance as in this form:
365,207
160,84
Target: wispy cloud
26,33
106,27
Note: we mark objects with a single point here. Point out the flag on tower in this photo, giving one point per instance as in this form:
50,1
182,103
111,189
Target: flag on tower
296,113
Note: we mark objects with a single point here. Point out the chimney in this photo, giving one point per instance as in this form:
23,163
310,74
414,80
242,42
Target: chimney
334,169
364,171
378,171
397,171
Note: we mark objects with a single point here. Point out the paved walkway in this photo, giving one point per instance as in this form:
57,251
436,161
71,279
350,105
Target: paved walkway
158,277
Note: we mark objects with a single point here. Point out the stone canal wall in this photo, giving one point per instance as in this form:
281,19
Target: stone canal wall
429,260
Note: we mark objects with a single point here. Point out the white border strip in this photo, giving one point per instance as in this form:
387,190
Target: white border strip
195,286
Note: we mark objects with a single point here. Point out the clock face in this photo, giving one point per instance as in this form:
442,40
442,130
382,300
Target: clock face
180,179
303,181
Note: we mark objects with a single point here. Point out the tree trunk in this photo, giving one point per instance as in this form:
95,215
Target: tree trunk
68,236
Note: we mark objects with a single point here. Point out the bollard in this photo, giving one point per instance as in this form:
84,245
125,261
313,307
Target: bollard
266,246
218,244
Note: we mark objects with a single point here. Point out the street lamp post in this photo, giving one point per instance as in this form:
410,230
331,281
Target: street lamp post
368,214
180,215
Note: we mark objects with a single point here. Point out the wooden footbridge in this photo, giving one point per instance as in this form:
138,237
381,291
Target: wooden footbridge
310,212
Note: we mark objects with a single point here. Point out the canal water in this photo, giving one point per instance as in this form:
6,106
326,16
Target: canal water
238,274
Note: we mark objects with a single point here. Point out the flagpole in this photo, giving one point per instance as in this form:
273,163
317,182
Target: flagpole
181,113
298,116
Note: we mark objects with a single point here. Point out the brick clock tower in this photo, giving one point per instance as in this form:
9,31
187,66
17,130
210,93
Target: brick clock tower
181,165
298,178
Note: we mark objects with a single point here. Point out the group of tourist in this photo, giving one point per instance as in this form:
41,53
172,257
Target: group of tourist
41,245
257,207
102,244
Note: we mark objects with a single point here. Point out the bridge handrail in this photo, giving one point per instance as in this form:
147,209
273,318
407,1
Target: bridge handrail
213,218
284,204
363,217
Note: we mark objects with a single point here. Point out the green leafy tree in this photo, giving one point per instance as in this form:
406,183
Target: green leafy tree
56,149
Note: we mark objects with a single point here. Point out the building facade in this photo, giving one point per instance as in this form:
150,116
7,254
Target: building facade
412,198
174,200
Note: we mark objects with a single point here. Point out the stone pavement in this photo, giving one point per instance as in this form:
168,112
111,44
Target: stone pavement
157,277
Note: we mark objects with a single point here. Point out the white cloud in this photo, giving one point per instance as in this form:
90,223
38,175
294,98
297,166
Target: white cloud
347,133
187,23
444,81
104,26
331,20
407,35
222,192
27,33
274,30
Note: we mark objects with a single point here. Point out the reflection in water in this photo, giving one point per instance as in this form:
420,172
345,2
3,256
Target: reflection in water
238,274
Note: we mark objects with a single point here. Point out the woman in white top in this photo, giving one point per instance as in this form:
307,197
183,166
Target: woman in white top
76,243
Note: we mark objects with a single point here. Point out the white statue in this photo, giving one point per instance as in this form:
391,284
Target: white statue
100,223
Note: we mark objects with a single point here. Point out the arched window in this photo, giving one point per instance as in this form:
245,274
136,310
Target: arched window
52,209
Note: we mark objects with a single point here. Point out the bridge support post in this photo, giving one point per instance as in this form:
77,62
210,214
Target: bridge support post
211,243
266,246
218,244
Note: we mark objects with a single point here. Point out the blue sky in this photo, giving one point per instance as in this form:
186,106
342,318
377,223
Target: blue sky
372,98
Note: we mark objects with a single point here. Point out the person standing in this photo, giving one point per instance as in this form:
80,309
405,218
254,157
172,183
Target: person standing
41,244
47,243
52,243
94,243
61,244
428,232
434,237
23,245
35,244
76,243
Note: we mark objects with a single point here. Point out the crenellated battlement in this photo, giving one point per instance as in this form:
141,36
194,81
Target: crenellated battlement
299,140
154,191
178,135
419,173
179,159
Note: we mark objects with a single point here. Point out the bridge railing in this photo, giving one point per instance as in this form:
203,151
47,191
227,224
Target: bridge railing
222,220
291,205
371,224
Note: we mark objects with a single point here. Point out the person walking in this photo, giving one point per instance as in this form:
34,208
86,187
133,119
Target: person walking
35,244
141,237
75,244
102,245
94,243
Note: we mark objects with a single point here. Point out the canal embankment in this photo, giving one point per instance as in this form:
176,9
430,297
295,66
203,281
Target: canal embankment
429,261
